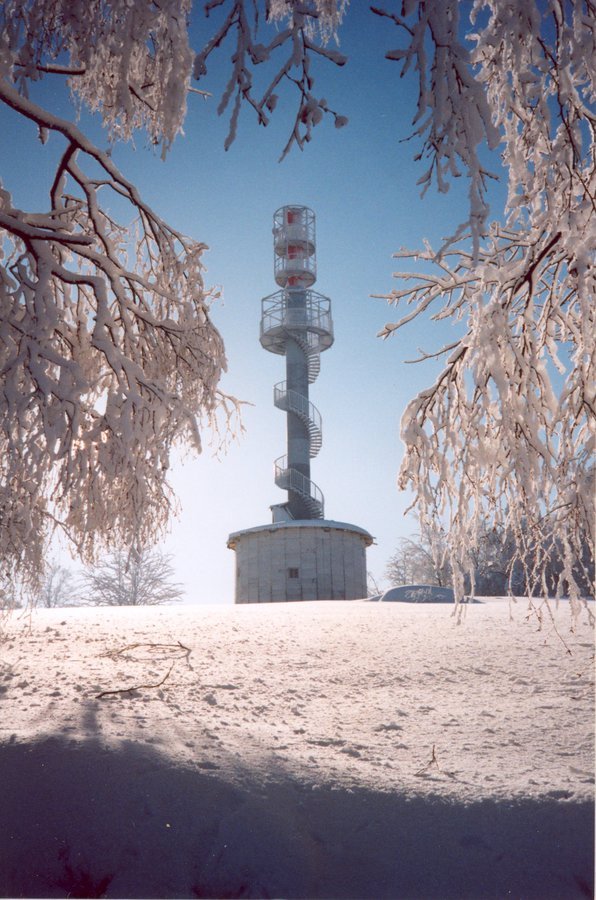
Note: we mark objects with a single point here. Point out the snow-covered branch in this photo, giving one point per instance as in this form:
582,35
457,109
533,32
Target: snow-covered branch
506,433
129,61
453,117
108,357
308,26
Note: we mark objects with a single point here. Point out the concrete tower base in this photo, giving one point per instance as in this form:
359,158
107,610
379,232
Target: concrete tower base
308,559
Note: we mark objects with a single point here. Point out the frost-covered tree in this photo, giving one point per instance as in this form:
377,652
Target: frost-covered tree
58,588
506,433
134,578
420,559
497,568
108,356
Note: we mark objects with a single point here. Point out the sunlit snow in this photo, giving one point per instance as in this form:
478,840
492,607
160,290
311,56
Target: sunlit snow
298,750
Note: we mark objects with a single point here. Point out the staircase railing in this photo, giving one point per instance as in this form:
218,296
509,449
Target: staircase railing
307,412
293,480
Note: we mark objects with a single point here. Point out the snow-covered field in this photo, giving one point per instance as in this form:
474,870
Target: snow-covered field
296,750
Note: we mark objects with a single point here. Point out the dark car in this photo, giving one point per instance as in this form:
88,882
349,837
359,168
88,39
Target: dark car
418,593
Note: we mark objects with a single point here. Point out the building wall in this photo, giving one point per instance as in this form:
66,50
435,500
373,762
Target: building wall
307,560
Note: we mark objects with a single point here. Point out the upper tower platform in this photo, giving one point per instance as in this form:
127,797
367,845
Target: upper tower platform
295,262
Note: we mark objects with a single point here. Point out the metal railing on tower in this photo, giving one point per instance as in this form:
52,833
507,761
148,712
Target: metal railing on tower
296,323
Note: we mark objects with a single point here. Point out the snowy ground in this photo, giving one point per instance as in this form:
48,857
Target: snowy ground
296,750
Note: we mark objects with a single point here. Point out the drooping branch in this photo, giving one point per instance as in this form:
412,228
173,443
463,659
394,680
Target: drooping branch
453,118
104,365
505,434
308,28
506,431
131,62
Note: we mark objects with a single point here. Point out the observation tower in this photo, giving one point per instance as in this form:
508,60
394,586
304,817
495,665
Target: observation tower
301,555
296,323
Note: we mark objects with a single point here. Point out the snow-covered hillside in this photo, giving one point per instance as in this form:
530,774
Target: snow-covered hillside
296,750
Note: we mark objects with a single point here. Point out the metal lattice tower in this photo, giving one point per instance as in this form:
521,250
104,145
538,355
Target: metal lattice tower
296,323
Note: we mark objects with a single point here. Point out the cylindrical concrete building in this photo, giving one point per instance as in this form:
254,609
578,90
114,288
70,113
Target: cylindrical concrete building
303,560
301,556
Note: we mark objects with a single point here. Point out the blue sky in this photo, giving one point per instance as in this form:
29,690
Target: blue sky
361,183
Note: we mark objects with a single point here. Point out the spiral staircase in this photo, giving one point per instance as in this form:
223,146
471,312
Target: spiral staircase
301,316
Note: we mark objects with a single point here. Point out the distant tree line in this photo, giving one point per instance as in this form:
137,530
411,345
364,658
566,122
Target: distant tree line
499,565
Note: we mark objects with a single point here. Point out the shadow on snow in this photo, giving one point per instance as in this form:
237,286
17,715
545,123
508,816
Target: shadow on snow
83,820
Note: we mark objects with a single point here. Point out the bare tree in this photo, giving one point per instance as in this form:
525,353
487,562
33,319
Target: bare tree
132,578
58,588
419,560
